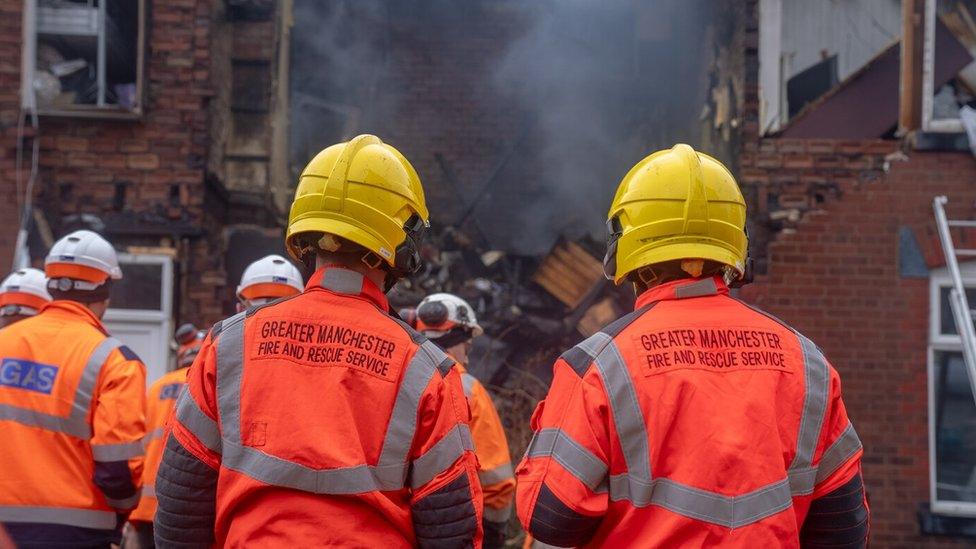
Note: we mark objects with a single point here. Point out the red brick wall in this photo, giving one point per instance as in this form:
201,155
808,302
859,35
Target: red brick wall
836,279
165,152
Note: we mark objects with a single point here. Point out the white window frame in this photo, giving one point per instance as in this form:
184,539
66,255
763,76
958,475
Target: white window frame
28,60
164,315
941,125
938,279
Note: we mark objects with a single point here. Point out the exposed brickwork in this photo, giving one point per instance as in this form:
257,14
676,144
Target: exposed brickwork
825,219
154,166
836,280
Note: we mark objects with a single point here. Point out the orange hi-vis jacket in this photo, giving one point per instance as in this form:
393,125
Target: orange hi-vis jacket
695,420
490,445
160,403
326,421
72,405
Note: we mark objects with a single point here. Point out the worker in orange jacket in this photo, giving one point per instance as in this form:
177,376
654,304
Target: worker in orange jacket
695,420
22,294
450,322
321,419
161,400
72,403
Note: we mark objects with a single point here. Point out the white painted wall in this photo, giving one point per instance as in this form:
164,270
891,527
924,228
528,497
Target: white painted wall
794,33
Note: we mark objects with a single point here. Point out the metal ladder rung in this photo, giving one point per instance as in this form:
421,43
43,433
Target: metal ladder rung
967,253
962,223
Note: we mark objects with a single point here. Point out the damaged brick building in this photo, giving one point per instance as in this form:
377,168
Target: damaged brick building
839,143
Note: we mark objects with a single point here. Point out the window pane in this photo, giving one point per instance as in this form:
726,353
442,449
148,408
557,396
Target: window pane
141,287
947,323
955,430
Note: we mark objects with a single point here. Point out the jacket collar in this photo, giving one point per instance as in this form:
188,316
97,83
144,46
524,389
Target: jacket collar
72,310
339,280
683,289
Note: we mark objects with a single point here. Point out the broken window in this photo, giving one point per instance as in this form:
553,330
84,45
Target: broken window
952,408
83,57
948,67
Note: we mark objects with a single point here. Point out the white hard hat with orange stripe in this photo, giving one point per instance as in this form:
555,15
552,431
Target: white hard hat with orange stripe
23,292
268,279
438,314
82,260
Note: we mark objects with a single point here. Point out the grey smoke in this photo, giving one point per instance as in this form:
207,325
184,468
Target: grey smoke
577,90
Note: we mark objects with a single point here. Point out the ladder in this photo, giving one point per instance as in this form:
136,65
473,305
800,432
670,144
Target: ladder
961,312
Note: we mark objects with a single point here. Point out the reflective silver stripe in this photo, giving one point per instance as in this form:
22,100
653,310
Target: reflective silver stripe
34,418
403,420
573,456
272,470
89,377
155,434
342,281
594,344
728,511
467,383
498,515
230,366
816,379
84,518
497,474
703,287
149,491
190,416
441,456
76,424
125,503
627,414
641,489
117,452
837,454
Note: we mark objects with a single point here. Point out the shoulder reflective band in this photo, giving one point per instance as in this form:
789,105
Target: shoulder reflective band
342,281
76,424
627,415
149,490
441,456
117,452
816,381
573,456
496,474
638,487
467,383
192,417
498,515
83,518
701,288
837,454
389,473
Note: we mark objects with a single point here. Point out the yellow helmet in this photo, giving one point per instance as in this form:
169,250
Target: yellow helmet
676,204
366,192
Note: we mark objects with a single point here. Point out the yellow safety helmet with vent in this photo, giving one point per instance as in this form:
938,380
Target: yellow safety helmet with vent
676,204
366,192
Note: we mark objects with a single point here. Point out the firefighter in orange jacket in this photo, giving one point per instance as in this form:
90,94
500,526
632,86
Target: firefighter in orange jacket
320,419
161,400
72,402
450,322
697,419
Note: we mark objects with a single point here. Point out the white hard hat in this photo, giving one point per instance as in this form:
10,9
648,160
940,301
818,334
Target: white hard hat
268,278
23,292
82,256
438,313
